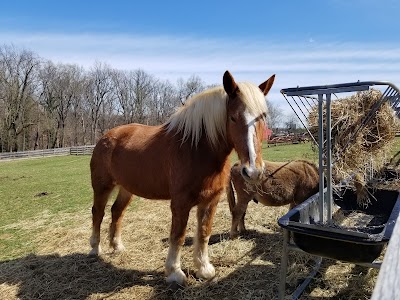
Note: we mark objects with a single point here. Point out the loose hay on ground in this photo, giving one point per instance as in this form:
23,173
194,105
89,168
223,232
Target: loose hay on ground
247,268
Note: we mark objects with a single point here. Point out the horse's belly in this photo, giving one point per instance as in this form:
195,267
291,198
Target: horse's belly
268,200
150,188
141,178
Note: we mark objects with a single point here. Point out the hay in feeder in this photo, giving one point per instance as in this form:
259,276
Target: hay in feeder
364,155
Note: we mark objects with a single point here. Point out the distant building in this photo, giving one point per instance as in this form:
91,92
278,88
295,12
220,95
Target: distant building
267,134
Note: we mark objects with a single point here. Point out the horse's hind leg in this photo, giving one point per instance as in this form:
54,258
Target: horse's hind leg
118,209
99,203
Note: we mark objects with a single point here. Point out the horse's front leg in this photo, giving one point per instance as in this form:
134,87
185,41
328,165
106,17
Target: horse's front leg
180,215
205,215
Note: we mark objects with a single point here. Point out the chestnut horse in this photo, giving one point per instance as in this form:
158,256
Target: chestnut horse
282,183
185,160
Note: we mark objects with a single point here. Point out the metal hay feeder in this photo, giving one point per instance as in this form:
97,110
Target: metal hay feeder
310,225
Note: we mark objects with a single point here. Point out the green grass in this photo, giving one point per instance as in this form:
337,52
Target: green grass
65,181
290,152
285,152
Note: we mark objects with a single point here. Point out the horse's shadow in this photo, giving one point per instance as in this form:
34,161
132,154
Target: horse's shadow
214,239
74,276
79,276
268,247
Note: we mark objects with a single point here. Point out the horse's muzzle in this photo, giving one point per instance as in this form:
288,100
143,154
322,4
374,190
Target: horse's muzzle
251,174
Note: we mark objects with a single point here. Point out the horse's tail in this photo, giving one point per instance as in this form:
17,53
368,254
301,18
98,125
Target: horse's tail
230,195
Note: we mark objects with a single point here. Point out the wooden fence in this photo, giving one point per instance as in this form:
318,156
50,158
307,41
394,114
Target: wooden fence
81,150
78,150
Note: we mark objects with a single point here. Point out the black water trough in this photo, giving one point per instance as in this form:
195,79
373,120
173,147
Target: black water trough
361,242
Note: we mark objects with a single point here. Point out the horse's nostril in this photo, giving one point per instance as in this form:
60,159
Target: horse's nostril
245,173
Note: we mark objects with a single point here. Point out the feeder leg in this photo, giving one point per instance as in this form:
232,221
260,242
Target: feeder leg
284,262
300,289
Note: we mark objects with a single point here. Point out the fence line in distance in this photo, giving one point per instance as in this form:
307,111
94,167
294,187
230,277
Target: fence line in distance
77,150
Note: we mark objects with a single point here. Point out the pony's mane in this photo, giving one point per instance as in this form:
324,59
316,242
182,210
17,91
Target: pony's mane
208,110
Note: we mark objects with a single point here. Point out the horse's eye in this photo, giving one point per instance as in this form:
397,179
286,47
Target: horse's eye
233,119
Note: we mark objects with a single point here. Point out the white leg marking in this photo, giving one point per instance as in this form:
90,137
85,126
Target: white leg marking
201,260
95,244
173,266
117,245
115,239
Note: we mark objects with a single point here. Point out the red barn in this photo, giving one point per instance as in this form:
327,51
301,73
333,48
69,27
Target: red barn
267,134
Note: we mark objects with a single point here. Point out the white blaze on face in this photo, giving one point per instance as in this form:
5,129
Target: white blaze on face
251,134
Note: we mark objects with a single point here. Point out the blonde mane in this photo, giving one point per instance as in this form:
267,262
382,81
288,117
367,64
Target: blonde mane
208,110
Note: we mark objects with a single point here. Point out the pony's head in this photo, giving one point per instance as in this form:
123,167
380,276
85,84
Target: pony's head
246,116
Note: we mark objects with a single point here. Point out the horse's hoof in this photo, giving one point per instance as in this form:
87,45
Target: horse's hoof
95,251
206,272
119,249
177,278
234,235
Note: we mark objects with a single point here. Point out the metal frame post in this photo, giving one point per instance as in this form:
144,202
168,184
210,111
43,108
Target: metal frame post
321,156
329,194
284,263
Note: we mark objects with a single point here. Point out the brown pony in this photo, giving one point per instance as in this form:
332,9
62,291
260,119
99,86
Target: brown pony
185,160
282,183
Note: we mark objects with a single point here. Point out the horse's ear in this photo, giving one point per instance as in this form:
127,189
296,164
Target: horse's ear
266,86
230,85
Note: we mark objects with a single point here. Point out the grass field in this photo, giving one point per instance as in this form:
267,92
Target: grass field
50,186
47,187
45,209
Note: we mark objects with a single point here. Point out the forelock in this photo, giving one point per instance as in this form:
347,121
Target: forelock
253,98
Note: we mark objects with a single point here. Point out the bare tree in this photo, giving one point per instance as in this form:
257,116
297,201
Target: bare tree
292,123
78,115
45,105
275,116
192,86
17,93
49,103
164,101
133,91
60,86
98,88
123,90
68,90
142,89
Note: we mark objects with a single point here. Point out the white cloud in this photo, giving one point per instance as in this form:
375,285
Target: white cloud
166,57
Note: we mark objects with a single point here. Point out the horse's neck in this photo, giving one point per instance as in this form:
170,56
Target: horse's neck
218,152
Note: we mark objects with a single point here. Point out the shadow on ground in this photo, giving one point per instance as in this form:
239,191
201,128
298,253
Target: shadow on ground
74,276
78,276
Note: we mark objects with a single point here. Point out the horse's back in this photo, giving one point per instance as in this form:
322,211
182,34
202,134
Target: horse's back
133,156
288,182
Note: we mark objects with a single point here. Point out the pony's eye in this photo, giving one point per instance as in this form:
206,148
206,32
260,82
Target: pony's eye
233,119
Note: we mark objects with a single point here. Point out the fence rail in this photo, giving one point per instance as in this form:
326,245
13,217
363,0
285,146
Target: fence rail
81,150
78,150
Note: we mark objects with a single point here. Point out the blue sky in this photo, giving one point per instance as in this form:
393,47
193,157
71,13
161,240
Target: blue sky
304,42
